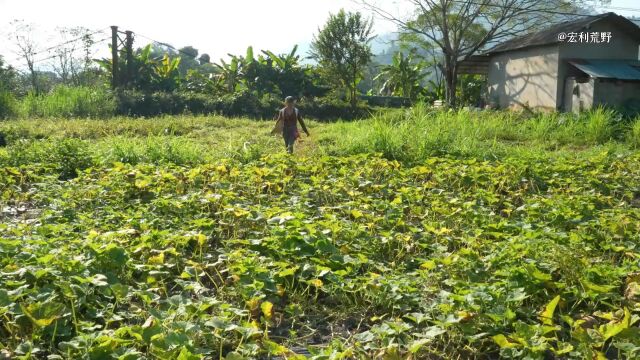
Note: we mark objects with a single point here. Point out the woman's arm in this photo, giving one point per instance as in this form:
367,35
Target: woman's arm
304,127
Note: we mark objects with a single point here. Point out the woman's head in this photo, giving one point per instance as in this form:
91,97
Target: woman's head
289,101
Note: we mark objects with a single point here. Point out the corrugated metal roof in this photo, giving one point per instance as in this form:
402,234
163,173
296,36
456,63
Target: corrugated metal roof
550,35
609,69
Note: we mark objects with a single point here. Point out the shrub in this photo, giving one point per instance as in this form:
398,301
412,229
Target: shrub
244,103
66,156
8,105
329,108
71,155
633,136
70,102
136,103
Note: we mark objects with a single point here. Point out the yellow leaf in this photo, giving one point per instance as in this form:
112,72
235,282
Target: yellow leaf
316,282
157,260
547,315
428,265
267,309
356,214
202,239
503,342
253,303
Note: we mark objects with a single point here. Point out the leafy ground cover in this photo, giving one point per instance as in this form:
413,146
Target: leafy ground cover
324,257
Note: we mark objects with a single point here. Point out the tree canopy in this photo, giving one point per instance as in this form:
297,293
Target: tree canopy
342,49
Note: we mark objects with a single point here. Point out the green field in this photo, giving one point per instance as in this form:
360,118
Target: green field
411,235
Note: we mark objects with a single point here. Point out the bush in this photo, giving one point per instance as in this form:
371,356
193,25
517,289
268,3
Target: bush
328,108
8,105
633,136
136,103
245,103
387,101
66,156
85,102
70,102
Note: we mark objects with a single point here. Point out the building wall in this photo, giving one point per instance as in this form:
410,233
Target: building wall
578,94
615,93
621,47
524,79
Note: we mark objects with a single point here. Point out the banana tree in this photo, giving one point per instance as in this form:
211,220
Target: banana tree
166,74
403,76
148,73
231,74
284,62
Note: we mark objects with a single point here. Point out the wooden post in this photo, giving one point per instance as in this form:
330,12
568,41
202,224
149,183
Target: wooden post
129,49
114,57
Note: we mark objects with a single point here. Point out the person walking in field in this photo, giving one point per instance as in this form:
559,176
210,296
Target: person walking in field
287,123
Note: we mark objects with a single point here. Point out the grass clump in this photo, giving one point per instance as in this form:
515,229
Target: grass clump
69,102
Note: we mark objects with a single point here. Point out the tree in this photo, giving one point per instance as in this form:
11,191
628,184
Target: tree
461,28
7,77
157,72
266,74
72,58
189,56
403,76
342,49
204,59
27,49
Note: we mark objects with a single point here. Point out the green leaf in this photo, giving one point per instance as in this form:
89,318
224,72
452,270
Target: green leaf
185,354
418,344
234,356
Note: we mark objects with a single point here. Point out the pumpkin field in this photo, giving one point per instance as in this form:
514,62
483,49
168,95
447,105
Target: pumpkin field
199,238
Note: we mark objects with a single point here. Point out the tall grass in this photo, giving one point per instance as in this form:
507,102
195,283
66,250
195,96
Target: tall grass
408,135
420,132
633,136
69,102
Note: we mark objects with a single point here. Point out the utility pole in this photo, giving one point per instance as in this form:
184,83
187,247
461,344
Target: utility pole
114,57
129,50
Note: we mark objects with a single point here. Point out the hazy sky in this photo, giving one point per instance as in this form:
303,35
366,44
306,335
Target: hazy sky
217,27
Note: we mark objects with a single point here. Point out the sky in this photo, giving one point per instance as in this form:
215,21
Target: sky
217,27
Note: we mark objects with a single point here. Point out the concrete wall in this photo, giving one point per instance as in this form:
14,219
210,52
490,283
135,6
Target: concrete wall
524,79
615,93
578,94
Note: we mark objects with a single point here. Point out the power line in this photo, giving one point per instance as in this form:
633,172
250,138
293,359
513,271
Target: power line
63,44
69,41
56,55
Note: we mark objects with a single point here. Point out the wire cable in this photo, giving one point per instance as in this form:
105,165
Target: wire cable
69,41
